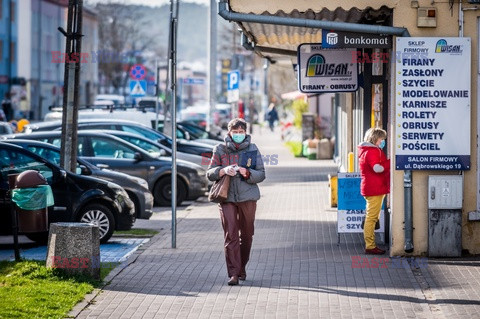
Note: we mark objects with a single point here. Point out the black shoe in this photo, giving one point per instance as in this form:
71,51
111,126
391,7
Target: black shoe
242,277
233,281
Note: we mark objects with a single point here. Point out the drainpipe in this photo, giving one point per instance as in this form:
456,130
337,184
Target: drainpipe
407,199
308,23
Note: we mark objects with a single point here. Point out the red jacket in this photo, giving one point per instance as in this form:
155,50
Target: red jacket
373,183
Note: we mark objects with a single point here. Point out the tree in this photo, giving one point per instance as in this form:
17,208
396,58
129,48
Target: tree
122,42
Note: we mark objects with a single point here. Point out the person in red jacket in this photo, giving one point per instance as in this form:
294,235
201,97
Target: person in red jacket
375,182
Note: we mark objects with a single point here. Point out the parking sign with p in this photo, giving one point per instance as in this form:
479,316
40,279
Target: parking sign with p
233,92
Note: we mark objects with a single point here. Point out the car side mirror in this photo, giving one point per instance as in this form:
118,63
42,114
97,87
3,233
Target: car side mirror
187,136
84,170
137,157
163,152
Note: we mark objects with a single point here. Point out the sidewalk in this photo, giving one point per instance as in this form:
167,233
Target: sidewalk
296,268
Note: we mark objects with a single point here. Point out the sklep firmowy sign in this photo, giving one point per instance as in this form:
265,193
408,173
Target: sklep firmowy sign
321,70
433,104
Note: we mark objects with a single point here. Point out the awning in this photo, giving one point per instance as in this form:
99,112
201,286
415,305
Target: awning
276,27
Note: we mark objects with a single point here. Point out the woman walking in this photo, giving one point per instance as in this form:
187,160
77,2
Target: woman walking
240,159
375,182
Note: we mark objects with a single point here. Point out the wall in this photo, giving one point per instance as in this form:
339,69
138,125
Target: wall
447,26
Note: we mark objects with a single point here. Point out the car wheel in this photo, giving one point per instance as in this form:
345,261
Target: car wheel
162,192
40,238
101,216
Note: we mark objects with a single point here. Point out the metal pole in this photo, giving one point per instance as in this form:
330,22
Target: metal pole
212,59
156,93
407,186
9,63
173,80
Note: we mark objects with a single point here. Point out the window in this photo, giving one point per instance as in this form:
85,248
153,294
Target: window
12,11
141,131
17,162
103,147
152,149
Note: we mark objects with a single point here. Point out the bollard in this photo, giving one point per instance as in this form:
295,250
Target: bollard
351,163
75,248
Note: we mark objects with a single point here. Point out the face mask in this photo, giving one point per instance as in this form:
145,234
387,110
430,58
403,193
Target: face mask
382,144
238,138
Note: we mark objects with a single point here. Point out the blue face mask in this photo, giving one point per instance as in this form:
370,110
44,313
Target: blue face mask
382,144
238,138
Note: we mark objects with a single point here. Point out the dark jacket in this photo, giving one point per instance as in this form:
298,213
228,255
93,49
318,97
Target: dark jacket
230,153
373,183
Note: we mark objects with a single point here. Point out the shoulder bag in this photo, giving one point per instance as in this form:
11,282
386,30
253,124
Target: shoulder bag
219,190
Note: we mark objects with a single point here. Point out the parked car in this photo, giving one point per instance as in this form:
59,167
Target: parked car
197,114
104,111
136,188
132,127
155,149
186,132
6,128
108,151
77,198
118,100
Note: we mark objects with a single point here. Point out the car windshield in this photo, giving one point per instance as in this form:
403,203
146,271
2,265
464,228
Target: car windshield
149,147
152,135
102,147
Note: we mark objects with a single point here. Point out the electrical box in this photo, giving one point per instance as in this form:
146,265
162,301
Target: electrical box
427,17
445,191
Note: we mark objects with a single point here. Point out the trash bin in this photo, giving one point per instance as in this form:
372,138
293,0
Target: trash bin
32,195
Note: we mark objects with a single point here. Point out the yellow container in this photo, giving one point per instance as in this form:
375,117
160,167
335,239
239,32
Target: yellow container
333,185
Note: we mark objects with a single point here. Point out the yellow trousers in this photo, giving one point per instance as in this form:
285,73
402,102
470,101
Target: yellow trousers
374,205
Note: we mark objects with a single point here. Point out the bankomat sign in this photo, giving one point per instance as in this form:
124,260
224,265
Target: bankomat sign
322,70
339,39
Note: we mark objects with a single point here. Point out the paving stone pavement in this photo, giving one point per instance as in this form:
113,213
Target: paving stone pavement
296,268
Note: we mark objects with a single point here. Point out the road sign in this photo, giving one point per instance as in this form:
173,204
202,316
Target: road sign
138,88
138,72
194,81
233,80
233,92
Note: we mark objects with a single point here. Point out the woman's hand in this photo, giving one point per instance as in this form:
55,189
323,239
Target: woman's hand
243,171
229,170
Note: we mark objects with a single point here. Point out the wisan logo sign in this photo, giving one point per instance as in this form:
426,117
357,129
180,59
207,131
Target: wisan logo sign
443,47
318,67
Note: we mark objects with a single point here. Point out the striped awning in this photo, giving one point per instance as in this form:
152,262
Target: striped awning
274,40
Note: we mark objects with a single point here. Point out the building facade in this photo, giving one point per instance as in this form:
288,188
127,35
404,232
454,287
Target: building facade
276,28
9,25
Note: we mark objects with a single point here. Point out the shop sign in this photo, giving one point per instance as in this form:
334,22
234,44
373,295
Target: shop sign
433,104
321,70
351,205
340,39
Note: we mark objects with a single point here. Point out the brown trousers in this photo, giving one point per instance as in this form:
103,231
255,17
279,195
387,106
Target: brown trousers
238,226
